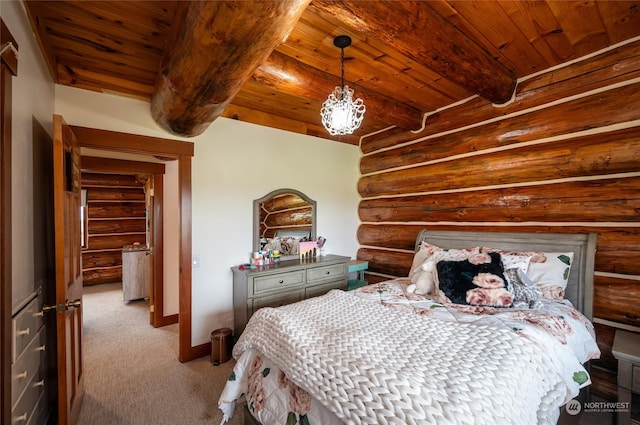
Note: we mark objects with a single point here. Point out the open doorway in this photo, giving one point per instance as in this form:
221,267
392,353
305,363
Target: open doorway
182,153
122,230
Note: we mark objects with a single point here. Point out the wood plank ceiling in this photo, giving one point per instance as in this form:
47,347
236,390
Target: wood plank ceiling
273,62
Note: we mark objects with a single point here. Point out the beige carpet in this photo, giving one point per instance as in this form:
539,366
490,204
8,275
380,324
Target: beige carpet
132,372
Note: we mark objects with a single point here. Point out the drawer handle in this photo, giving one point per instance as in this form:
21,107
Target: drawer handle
21,418
23,332
39,314
41,348
327,272
39,383
22,375
281,281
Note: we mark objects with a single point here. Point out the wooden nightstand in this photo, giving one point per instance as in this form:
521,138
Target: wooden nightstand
357,266
626,348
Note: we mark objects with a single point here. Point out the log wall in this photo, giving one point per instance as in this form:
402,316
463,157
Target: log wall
563,156
116,217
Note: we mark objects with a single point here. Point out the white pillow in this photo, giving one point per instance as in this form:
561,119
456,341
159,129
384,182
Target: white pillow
549,271
513,261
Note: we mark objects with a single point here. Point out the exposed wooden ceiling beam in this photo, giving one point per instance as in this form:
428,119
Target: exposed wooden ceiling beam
414,29
214,49
285,74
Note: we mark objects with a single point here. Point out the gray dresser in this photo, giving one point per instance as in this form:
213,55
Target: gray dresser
28,384
284,283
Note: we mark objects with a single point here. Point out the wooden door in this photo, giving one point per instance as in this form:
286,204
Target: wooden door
68,308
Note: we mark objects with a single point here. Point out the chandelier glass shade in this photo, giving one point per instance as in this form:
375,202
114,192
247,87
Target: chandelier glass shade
340,113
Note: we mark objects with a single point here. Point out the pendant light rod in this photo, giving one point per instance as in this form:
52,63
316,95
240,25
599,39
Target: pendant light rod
341,42
342,63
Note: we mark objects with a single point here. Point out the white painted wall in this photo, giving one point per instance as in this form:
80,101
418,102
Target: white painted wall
33,98
234,164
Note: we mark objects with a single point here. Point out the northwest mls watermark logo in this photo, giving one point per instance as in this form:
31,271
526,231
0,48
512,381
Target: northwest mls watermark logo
573,407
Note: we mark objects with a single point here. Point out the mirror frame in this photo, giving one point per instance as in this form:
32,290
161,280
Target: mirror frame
278,192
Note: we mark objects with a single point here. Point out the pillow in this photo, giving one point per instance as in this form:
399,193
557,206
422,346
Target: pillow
517,263
524,293
428,252
549,271
424,279
512,261
478,280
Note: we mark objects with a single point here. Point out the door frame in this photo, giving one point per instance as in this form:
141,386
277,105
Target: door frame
183,153
157,171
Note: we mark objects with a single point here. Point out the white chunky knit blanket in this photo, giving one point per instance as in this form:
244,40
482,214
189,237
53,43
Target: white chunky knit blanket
370,364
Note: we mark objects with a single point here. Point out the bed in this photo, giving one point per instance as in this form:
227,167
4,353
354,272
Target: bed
385,353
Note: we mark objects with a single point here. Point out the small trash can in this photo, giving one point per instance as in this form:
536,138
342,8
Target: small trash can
221,345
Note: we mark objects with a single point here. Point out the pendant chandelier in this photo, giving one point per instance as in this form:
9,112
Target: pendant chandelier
340,113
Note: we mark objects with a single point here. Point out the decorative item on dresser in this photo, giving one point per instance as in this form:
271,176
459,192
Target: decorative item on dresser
287,282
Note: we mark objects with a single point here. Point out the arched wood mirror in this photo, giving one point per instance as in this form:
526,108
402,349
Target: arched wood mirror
286,214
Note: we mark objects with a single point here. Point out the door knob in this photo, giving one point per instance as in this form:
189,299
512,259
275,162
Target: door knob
61,307
46,308
75,303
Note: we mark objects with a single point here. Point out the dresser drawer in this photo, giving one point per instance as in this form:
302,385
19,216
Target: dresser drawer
325,272
40,413
279,281
27,405
26,325
278,300
27,365
284,283
316,291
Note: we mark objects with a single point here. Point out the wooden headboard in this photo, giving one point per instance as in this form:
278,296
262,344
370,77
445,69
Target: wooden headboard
580,286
